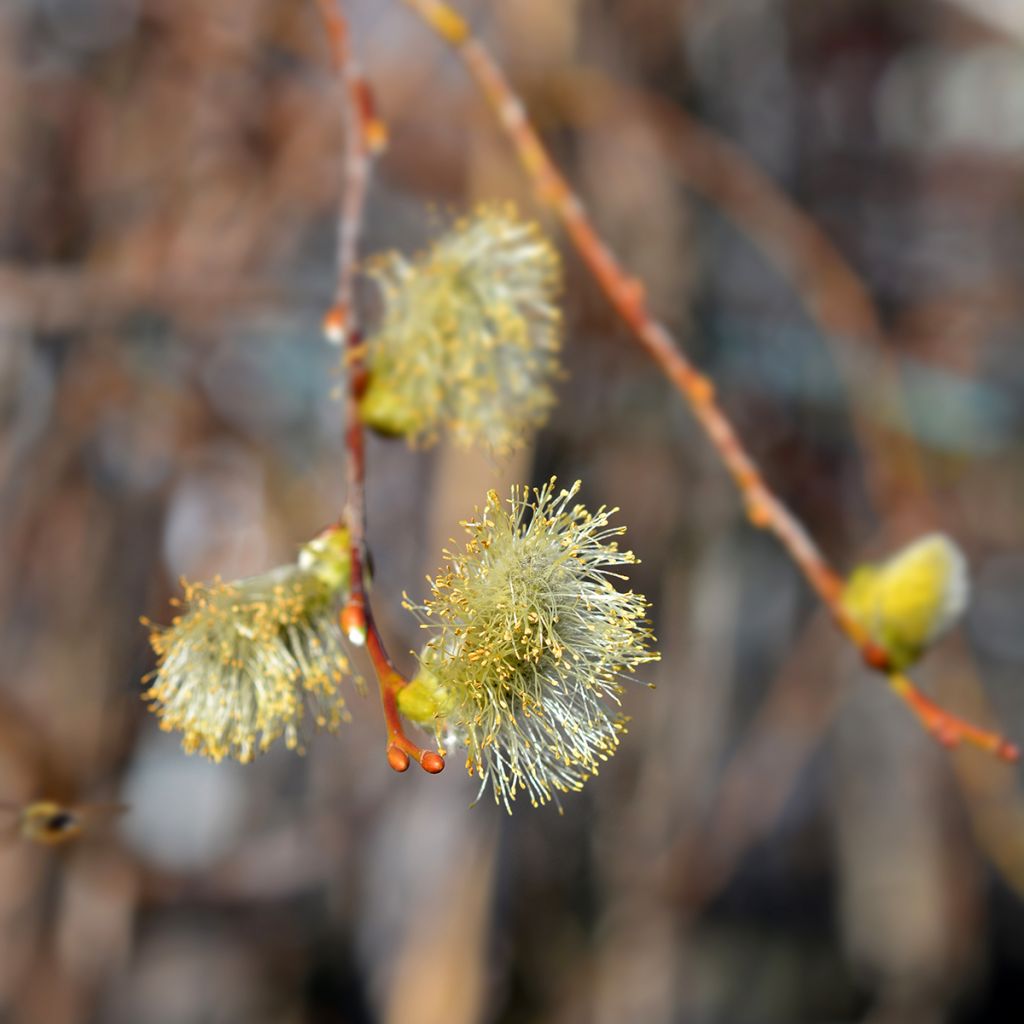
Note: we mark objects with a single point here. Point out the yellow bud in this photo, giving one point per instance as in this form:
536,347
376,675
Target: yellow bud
424,700
386,412
327,557
910,600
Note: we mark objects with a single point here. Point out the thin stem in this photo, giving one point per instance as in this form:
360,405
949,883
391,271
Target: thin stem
364,135
400,747
946,728
832,293
357,118
626,294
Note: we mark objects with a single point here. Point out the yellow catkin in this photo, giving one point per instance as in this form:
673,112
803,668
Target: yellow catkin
907,602
470,335
530,644
245,661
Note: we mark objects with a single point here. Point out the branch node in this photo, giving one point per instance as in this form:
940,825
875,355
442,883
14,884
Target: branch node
335,325
875,657
353,623
758,513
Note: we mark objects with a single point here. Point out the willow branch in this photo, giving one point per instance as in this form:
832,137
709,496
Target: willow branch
831,291
364,136
626,294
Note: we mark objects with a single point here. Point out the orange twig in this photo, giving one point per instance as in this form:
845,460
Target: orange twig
364,135
626,295
833,294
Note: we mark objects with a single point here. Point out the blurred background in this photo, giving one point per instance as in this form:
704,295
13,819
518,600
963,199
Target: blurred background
825,200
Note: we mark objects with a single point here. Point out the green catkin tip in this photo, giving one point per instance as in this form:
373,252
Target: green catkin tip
424,700
384,409
328,558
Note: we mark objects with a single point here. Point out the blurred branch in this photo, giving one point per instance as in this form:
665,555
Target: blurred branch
626,295
364,137
58,298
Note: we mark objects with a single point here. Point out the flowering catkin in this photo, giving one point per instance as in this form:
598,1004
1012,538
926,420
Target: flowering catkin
239,666
469,335
531,642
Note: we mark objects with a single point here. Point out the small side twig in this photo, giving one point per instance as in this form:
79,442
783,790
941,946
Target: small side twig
626,295
364,135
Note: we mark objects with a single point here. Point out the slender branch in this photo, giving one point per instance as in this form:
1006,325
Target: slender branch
832,293
626,294
364,137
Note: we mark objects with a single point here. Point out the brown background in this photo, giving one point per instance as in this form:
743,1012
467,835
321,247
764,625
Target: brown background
840,248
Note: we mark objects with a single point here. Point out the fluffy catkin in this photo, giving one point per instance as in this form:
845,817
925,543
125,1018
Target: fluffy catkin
244,661
469,336
531,641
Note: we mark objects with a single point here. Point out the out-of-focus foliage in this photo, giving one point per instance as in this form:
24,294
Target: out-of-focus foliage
775,841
